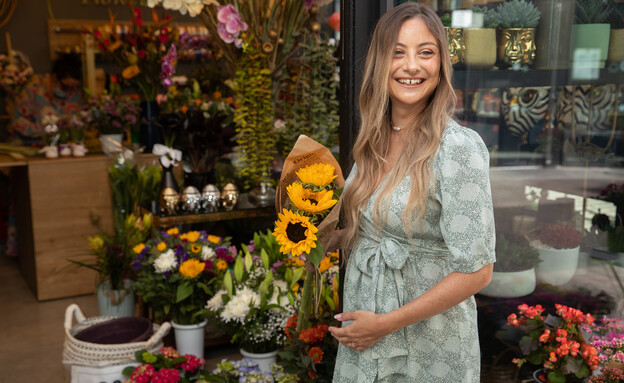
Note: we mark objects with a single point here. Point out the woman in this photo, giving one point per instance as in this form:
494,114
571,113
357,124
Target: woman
418,215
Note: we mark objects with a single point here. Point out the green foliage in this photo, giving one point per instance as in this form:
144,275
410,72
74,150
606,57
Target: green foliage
518,14
446,19
616,18
514,255
309,97
615,239
490,16
591,11
131,184
254,117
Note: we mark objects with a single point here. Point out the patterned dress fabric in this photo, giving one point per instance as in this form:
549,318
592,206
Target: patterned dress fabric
387,269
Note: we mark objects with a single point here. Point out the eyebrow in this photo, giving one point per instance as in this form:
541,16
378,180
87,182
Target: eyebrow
419,45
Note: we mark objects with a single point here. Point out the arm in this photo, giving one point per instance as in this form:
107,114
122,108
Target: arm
367,327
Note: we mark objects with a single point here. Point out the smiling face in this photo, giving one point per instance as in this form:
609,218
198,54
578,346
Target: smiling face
415,68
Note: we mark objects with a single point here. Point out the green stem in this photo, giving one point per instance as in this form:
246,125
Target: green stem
306,301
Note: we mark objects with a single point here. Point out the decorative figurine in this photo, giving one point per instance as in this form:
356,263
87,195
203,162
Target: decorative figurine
229,196
210,198
191,199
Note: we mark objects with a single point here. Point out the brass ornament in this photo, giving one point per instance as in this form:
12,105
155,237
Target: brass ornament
168,200
315,27
515,46
455,38
229,196
314,9
267,47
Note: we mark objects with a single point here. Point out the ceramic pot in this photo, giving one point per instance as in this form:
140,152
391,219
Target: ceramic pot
512,284
264,360
78,150
616,46
479,48
591,37
50,151
558,266
515,47
117,303
189,338
65,150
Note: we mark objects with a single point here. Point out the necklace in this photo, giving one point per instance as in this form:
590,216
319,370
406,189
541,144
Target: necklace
396,128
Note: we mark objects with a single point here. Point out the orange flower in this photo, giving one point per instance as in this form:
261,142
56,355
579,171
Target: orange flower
217,95
214,239
138,248
184,109
130,72
311,374
221,264
291,324
316,354
313,334
173,231
161,246
195,248
545,336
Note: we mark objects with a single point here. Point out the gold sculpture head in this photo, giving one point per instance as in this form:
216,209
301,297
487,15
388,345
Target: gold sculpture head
455,38
516,46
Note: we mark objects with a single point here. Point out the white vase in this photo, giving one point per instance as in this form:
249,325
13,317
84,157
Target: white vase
512,284
558,266
189,338
264,360
117,303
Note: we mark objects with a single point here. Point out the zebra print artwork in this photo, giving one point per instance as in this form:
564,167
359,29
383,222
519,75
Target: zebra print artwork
523,108
585,114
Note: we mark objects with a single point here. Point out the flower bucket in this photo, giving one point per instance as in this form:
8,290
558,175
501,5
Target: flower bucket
117,303
558,266
510,284
189,339
263,360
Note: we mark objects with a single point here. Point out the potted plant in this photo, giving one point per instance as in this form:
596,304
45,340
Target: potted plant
616,37
50,136
555,343
480,41
115,116
77,136
113,264
515,40
591,31
254,299
558,247
167,365
608,339
514,270
174,277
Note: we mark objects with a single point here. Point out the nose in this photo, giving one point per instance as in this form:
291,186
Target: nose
411,64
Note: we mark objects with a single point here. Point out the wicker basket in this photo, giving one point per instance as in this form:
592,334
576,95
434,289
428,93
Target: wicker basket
77,352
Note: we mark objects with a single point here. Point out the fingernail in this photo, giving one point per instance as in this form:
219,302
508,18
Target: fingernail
337,316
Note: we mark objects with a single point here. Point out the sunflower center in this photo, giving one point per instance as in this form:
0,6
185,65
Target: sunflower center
313,201
295,232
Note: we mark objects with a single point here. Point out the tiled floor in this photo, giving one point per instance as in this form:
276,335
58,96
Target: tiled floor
32,332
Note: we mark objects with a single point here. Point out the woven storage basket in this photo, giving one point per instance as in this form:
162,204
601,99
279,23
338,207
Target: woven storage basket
77,352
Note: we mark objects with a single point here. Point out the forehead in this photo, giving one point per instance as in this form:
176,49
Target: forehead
415,31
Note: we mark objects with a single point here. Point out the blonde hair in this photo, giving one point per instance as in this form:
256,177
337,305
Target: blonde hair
373,141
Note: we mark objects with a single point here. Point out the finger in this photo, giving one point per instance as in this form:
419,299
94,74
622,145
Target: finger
345,316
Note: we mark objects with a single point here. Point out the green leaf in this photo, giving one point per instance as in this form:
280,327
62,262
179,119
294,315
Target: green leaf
227,283
265,259
128,370
291,299
238,268
296,277
316,254
264,286
330,302
556,377
248,261
184,291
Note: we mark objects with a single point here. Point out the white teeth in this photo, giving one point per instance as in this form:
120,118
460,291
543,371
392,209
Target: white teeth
407,81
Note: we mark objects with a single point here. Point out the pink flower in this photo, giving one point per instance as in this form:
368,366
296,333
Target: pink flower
169,352
142,374
192,363
168,66
166,375
230,25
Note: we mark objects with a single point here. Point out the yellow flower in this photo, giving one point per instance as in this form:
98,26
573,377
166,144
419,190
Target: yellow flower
138,248
95,242
173,231
325,264
214,239
114,46
191,236
161,246
195,249
293,260
317,174
295,233
309,201
221,264
192,268
130,72
334,255
295,287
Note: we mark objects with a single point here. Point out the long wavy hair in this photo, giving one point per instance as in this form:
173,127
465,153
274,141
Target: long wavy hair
373,141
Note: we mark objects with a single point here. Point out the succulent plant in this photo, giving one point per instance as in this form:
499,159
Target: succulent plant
490,16
591,11
518,14
560,236
616,19
514,255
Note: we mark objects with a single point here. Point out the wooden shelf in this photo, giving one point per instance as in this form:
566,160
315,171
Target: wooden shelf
163,221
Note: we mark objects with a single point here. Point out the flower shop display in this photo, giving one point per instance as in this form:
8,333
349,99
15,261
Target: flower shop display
556,342
514,270
146,57
113,264
515,40
168,195
608,339
166,365
558,247
114,115
254,297
15,72
608,375
50,136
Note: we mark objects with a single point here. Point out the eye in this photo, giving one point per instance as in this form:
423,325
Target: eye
427,53
398,52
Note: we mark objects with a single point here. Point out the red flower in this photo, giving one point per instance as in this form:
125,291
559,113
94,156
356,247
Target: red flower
313,334
291,324
169,352
311,374
141,53
192,363
316,354
142,374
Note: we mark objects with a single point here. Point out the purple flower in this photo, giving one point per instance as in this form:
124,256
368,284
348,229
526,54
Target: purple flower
308,3
230,24
168,66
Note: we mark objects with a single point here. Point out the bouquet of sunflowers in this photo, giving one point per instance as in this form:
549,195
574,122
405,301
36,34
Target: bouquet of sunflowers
175,272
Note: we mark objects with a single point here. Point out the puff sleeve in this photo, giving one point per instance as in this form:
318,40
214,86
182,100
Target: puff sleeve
461,169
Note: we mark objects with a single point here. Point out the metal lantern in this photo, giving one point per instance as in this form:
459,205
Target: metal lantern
229,196
191,199
210,197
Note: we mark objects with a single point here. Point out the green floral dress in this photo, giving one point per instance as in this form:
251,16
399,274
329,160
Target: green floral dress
386,271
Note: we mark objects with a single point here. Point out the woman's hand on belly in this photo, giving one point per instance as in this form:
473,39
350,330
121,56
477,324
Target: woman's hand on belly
363,332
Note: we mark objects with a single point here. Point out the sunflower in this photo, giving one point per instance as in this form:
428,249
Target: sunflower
309,201
214,239
192,268
161,246
195,248
173,231
317,174
294,233
191,236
